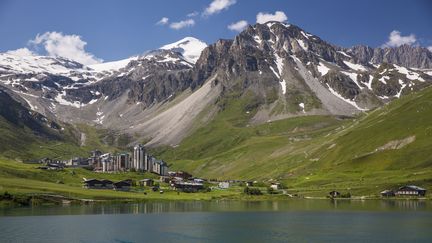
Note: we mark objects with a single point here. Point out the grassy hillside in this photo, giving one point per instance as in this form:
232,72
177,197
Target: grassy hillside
384,148
22,143
25,179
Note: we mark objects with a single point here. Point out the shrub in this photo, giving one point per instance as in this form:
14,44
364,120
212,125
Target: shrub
252,191
270,190
345,195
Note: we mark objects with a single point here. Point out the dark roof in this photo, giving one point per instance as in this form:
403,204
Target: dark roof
106,181
121,184
412,187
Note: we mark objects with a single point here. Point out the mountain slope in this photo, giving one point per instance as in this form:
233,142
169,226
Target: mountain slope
384,147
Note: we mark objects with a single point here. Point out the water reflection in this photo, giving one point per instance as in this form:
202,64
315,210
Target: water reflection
222,206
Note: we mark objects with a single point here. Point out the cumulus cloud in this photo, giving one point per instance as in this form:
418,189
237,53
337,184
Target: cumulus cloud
238,26
182,24
163,21
396,39
429,48
218,5
68,46
279,16
22,52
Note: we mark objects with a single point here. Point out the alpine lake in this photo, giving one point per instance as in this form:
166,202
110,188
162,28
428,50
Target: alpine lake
296,220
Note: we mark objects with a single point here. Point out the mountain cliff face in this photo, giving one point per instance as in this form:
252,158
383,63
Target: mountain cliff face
162,95
13,112
404,55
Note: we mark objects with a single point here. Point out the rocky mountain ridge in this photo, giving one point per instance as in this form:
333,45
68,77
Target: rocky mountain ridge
286,70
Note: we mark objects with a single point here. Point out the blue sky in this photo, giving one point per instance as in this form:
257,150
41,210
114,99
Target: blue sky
115,29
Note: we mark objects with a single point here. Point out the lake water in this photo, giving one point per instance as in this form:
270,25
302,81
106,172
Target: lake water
223,221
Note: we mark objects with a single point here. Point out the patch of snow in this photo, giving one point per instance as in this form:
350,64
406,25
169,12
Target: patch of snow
302,106
32,79
39,64
279,63
403,85
356,67
257,39
369,84
302,45
343,53
351,102
112,66
384,71
99,117
383,79
189,47
92,101
32,107
353,77
59,98
323,69
283,86
409,74
306,35
275,73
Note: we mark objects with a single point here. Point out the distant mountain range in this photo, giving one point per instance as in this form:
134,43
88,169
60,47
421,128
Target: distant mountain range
161,97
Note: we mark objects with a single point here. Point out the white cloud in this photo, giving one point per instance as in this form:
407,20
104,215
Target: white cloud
22,52
163,21
193,14
182,24
396,39
68,46
238,26
218,5
279,16
429,48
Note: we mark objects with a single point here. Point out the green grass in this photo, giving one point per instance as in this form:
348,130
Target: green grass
315,154
22,179
311,155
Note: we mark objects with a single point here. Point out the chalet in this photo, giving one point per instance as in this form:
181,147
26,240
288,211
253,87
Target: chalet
198,180
77,162
51,166
146,182
387,193
181,174
122,186
97,184
187,186
165,179
224,185
411,191
107,184
334,194
275,185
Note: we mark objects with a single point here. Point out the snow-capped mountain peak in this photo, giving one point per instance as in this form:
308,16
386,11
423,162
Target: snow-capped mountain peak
189,47
37,64
112,66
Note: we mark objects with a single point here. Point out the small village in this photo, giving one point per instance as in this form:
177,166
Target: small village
141,161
